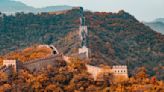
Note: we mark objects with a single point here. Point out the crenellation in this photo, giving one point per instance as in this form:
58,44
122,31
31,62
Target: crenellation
120,70
119,67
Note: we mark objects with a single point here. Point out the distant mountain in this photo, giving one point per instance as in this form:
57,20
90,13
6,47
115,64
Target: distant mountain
157,25
10,6
53,8
160,20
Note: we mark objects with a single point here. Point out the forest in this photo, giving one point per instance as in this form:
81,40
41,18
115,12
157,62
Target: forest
114,38
73,77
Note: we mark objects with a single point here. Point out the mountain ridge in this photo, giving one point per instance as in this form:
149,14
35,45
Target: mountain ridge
159,20
157,25
10,7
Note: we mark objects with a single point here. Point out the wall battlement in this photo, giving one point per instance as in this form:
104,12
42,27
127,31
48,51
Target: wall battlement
119,67
120,71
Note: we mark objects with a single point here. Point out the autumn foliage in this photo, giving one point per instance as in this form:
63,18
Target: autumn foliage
74,77
31,53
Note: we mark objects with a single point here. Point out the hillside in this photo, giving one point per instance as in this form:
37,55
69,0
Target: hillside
115,38
42,28
118,38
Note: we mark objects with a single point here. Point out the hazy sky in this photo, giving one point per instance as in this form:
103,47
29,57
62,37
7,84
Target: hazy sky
144,10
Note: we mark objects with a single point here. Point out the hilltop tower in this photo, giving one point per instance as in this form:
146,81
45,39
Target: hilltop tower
83,33
120,71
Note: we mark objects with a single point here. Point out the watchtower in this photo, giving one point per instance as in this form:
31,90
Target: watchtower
120,71
12,63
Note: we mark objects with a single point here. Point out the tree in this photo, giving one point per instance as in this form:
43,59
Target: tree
5,88
53,88
77,65
141,74
3,77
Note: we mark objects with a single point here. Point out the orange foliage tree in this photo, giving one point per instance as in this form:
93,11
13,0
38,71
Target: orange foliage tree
30,53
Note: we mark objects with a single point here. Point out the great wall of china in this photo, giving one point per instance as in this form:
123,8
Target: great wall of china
58,60
36,65
33,65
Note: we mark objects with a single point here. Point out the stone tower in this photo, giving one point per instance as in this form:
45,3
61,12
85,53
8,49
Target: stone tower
9,63
83,33
120,71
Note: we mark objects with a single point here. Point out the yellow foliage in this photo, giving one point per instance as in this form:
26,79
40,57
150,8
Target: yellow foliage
76,63
5,88
53,88
1,60
3,76
28,54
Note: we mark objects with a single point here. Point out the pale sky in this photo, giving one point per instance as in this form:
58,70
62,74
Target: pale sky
143,10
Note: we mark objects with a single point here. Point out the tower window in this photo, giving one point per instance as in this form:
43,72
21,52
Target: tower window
54,52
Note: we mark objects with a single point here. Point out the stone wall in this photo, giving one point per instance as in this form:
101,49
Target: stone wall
83,52
94,71
36,65
7,70
116,71
2,68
